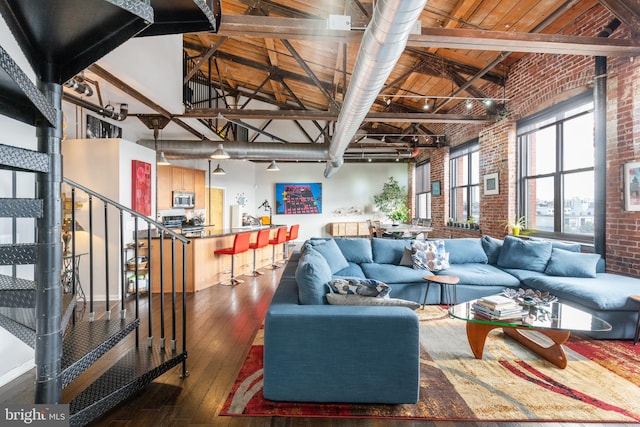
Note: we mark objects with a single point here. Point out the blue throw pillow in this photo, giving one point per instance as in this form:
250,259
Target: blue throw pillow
524,254
331,252
388,251
355,250
312,276
465,250
492,248
429,255
572,264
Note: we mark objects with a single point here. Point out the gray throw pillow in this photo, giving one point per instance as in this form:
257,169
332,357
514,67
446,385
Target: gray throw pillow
339,299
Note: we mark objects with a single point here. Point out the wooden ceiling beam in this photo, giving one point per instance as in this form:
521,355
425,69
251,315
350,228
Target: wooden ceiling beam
333,116
451,38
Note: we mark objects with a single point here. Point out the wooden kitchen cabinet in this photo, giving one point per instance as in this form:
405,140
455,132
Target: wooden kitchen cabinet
165,200
183,179
200,188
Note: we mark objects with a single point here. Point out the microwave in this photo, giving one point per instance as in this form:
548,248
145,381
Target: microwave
184,199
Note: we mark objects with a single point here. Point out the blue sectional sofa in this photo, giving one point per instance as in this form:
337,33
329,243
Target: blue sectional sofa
318,352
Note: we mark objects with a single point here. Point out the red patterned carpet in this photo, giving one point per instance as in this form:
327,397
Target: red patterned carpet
600,384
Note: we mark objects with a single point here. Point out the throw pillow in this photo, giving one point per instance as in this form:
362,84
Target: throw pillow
429,255
465,250
357,286
572,264
492,248
406,260
339,299
331,252
312,276
524,254
355,250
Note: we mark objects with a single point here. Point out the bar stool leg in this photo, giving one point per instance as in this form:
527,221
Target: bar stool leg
273,258
255,270
233,281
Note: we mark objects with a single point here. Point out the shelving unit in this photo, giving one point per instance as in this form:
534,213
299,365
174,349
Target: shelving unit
129,268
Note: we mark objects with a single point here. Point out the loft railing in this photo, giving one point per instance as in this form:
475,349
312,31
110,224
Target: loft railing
101,237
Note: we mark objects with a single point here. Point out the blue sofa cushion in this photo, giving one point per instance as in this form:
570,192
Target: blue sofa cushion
331,252
465,250
429,255
492,248
555,244
353,270
481,274
388,251
572,264
357,286
339,299
604,292
522,274
524,254
355,250
390,274
312,275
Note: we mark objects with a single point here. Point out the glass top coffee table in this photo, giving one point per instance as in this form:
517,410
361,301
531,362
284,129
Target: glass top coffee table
554,320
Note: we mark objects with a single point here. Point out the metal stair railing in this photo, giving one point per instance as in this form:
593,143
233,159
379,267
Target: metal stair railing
111,207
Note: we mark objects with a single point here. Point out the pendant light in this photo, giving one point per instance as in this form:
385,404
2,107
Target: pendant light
220,153
218,171
162,161
273,167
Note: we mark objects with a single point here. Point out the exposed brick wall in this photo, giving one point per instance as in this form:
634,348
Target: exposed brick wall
536,82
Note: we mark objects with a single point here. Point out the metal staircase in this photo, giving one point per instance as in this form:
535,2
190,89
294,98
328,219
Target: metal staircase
34,306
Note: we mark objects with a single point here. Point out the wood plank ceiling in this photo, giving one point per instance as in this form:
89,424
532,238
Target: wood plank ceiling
280,52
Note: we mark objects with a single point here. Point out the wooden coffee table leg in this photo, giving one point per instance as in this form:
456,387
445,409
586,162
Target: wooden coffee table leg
477,335
554,353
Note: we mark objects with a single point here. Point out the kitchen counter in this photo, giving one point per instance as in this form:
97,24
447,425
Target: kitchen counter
203,267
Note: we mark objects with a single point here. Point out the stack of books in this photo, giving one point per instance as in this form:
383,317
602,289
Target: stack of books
498,307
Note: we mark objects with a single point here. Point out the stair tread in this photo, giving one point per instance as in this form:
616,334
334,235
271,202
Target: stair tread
21,208
14,283
134,371
23,333
86,342
23,159
18,253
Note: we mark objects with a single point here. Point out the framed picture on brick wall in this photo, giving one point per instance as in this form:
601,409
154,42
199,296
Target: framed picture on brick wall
632,186
491,184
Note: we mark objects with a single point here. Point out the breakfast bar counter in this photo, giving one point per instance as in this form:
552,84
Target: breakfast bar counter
203,267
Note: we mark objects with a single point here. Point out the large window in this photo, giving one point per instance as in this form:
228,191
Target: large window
464,168
423,191
556,192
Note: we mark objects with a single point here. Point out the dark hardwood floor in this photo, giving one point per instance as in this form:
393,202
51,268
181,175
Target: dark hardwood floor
222,323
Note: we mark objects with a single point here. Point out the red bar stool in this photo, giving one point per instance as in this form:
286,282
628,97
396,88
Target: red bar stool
262,240
280,238
292,235
240,245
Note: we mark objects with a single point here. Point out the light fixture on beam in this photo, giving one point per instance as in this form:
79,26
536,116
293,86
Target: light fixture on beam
273,167
220,153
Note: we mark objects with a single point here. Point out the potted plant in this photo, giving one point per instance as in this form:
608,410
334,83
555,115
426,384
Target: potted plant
516,225
392,201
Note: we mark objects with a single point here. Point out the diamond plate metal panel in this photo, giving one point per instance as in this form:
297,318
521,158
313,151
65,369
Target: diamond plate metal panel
17,292
19,254
20,208
131,374
24,316
24,334
86,342
26,94
23,159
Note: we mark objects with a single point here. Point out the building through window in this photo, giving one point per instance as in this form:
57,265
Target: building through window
556,170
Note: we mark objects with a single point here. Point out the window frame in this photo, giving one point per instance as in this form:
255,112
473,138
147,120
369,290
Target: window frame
468,149
556,117
423,188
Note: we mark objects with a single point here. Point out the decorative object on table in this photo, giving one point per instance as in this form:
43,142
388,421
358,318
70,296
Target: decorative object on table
515,226
529,297
298,198
491,184
392,201
632,186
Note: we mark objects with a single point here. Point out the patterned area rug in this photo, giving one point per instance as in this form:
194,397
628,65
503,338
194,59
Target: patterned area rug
600,384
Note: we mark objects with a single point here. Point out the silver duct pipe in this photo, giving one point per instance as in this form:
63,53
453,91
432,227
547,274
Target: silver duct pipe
107,111
181,149
383,42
